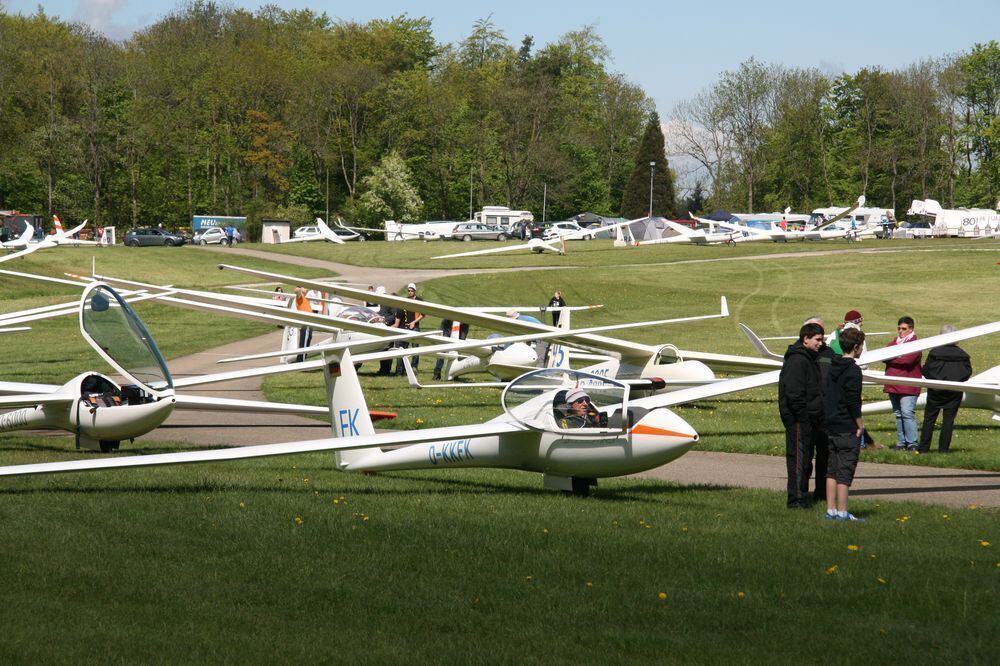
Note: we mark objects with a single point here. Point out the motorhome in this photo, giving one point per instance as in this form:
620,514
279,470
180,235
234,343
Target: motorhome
959,222
503,216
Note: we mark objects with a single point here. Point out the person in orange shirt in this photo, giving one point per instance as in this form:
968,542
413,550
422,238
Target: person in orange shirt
305,333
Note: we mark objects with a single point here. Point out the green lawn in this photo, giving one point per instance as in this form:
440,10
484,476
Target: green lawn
285,559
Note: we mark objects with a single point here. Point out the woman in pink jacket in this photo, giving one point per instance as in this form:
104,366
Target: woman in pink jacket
904,398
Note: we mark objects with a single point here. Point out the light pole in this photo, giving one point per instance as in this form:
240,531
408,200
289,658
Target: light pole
652,165
545,193
471,170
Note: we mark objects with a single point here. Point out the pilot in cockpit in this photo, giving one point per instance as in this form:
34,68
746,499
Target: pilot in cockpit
573,409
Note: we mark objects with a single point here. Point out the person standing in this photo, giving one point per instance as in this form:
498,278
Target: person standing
390,316
556,302
904,398
446,330
230,234
949,363
842,419
409,319
305,333
800,404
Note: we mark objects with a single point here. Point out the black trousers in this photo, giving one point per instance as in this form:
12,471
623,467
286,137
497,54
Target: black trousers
800,446
948,405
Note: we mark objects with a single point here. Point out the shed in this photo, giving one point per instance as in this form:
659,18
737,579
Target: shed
275,231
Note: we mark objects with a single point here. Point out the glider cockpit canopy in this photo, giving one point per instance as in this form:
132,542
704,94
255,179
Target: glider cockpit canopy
115,332
540,401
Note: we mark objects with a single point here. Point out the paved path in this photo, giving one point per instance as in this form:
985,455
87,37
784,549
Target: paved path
873,481
951,487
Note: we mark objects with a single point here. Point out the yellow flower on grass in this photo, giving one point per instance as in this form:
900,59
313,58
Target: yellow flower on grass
590,584
984,543
741,595
545,530
437,402
529,578
831,570
853,548
243,505
298,520
684,529
419,421
945,516
662,596
883,581
902,519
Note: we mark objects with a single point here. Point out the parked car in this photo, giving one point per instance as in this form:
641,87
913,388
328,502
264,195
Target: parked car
305,232
557,229
153,236
468,231
919,229
214,235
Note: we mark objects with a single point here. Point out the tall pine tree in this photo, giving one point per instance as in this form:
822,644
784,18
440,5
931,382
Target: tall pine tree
635,200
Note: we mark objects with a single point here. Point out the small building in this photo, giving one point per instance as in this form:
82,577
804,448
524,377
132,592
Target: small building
275,231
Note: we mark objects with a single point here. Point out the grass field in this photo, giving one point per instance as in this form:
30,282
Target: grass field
285,559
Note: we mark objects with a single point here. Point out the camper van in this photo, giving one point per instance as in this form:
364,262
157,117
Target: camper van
503,216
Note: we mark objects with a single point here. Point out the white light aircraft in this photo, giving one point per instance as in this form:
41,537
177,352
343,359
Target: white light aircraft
546,427
22,240
633,360
325,233
965,222
100,411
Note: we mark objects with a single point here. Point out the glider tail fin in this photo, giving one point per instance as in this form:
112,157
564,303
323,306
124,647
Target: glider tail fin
58,224
558,354
349,415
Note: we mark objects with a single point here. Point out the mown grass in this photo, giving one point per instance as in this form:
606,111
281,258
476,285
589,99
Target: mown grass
286,560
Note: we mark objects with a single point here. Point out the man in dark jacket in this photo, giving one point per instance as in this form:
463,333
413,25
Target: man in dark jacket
948,363
800,403
842,418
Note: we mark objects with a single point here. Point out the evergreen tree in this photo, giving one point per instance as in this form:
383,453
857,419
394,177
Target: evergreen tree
636,199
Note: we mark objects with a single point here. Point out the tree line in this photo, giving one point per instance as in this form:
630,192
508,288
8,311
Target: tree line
765,136
216,110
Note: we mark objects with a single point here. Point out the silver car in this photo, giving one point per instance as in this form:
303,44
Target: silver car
468,231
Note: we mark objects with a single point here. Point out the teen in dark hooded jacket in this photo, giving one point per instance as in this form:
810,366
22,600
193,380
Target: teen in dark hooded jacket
842,416
800,404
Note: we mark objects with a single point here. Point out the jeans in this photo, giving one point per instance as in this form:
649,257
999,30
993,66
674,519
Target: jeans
903,406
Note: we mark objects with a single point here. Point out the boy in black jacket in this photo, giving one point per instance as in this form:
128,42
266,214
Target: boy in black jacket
842,414
800,403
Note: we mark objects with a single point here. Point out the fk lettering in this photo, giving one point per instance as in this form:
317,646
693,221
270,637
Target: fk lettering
348,422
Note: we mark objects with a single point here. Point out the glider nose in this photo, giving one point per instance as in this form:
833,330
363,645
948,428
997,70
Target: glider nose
664,431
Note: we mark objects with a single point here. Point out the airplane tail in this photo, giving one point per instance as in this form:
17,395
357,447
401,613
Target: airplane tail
349,415
559,354
758,343
58,224
327,232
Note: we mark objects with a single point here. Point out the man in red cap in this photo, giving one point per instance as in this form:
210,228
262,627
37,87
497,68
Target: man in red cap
852,319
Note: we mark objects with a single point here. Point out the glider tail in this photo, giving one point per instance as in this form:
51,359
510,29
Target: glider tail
349,415
58,224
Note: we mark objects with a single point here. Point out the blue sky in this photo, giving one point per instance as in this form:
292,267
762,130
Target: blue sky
672,49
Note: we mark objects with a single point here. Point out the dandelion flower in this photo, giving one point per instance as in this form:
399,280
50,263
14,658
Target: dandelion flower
902,519
684,529
662,596
741,595
984,543
831,570
945,516
298,520
590,584
853,548
529,578
882,580
545,530
243,505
